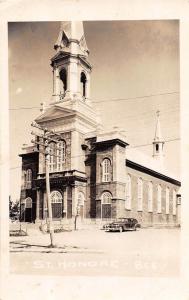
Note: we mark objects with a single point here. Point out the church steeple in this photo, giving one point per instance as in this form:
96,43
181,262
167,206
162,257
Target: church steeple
71,70
158,143
71,39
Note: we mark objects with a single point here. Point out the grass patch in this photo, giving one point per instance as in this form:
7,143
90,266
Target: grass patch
17,233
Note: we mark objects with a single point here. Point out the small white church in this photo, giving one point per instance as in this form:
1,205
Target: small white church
94,170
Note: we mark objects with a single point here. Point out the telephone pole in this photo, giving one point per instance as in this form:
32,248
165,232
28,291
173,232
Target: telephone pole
46,139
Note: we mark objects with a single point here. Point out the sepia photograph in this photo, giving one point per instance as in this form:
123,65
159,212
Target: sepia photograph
95,181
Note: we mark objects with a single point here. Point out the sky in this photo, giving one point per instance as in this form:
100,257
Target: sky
135,73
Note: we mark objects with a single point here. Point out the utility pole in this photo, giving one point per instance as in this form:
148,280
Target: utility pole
46,139
49,205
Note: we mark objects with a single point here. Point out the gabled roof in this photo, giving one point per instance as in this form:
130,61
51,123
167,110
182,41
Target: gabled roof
55,112
148,162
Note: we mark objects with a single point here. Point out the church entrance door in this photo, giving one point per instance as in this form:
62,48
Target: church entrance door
106,211
57,204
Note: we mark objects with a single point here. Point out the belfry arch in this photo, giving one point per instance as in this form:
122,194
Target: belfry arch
83,81
63,79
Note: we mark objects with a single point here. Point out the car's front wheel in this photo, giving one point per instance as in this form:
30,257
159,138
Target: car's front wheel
120,229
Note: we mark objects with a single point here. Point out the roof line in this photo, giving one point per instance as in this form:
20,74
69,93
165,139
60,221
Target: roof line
146,170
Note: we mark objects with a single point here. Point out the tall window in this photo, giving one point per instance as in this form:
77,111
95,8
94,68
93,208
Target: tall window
150,196
174,203
167,193
52,157
61,154
128,192
106,170
83,80
63,78
106,200
57,156
159,192
140,194
28,179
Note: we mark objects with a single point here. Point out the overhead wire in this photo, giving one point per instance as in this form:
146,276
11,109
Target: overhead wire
108,100
136,146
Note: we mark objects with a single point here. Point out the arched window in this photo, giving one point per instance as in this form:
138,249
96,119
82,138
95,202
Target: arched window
167,195
106,198
83,81
174,203
61,154
128,192
63,78
52,156
106,208
106,170
28,179
150,196
140,194
159,192
28,202
56,197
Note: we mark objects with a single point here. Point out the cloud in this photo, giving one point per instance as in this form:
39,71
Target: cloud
19,90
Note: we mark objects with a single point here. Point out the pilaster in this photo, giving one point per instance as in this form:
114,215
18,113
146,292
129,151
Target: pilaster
37,205
65,202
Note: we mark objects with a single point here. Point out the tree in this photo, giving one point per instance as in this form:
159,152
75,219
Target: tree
14,208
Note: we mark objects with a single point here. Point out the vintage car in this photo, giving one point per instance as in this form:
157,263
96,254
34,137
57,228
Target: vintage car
122,224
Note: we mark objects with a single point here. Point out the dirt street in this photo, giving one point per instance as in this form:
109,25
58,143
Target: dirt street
93,252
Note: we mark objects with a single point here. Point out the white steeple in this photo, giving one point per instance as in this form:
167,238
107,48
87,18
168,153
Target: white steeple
71,39
71,69
158,143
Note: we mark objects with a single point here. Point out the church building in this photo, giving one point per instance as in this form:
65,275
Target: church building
92,172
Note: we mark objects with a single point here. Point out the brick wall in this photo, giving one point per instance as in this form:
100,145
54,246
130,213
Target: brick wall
145,217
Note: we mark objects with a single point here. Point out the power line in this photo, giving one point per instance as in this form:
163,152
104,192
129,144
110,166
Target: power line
134,98
137,146
28,108
149,144
108,100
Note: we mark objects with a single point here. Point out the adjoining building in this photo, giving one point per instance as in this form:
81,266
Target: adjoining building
92,169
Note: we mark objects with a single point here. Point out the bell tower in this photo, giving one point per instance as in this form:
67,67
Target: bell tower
158,143
71,69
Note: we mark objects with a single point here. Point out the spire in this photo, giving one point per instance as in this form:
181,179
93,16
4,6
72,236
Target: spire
71,38
158,142
158,136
